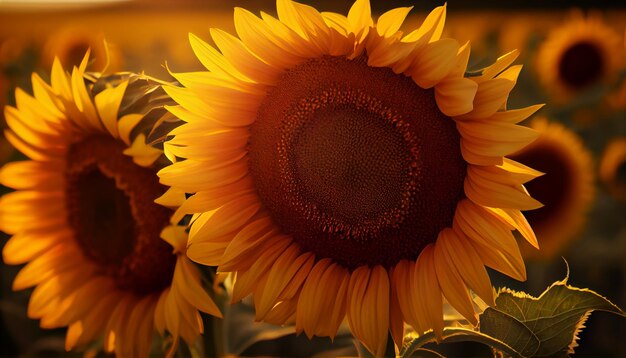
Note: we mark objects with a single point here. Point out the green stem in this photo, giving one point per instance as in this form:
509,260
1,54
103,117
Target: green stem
452,335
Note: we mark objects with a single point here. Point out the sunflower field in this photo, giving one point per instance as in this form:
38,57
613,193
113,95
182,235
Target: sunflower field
312,179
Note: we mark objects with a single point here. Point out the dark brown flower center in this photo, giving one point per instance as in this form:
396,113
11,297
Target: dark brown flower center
581,65
75,53
554,187
115,221
620,174
357,163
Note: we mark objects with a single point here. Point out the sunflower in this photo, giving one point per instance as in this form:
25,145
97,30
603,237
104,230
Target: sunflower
582,53
613,168
344,169
103,257
566,189
70,43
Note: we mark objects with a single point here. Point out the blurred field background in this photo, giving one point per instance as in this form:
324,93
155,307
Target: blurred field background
147,35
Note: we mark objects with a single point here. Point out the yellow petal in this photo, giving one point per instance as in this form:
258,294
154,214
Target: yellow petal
32,131
495,139
516,115
403,282
286,269
86,329
213,60
511,265
368,307
28,245
430,304
60,80
432,27
490,96
126,124
479,225
463,255
360,16
108,104
240,56
306,21
260,38
450,279
89,117
24,175
462,58
193,176
246,281
509,171
312,301
396,320
176,236
517,220
173,197
501,63
226,219
487,192
209,200
455,96
389,23
187,281
142,314
245,243
142,153
210,144
434,62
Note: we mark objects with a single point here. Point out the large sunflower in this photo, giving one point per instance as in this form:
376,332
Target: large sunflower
582,53
104,259
341,168
566,189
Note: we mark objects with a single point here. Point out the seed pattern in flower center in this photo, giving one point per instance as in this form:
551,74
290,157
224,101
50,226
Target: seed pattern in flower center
356,163
115,222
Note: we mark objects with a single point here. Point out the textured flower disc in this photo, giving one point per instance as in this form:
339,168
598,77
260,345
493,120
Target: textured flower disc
566,189
345,169
582,53
103,256
341,153
112,216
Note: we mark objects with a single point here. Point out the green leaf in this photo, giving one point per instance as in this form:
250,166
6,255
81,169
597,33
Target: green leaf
546,325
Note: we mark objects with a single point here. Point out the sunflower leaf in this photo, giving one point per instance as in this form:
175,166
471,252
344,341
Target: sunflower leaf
547,325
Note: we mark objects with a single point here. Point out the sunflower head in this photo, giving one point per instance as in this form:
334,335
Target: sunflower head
567,188
70,43
582,53
341,167
103,257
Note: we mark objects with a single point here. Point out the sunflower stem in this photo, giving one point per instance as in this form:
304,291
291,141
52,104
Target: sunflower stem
455,334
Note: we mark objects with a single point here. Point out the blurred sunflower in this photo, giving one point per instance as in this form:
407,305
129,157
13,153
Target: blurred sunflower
582,53
102,255
613,168
70,43
341,168
566,189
